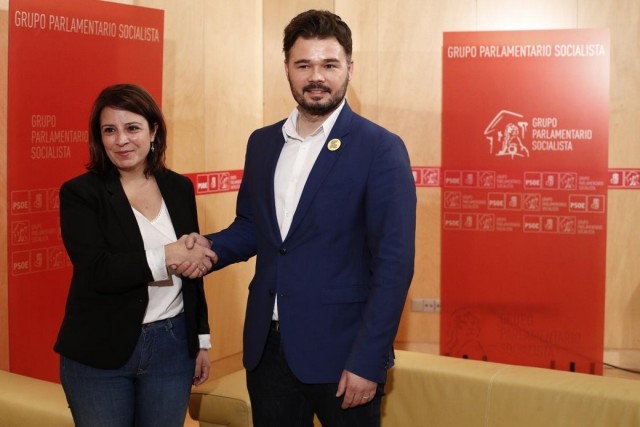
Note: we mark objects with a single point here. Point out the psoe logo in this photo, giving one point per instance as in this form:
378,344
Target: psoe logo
506,135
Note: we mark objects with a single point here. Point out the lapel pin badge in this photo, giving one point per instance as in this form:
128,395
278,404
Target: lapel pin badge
334,144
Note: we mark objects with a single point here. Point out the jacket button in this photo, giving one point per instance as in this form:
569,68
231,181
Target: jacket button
283,250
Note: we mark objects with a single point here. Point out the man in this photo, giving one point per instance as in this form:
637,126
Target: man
328,204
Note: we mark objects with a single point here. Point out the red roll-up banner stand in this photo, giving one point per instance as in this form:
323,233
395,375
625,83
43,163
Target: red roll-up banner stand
61,54
524,197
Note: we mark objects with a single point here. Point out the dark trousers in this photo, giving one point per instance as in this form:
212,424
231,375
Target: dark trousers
278,399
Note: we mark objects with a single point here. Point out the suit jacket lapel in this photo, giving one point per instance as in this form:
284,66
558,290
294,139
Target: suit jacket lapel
322,167
176,205
273,147
122,208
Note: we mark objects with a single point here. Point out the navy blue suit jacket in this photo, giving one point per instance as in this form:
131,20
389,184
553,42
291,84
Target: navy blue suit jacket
343,271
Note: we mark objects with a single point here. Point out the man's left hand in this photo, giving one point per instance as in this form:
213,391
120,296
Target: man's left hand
356,390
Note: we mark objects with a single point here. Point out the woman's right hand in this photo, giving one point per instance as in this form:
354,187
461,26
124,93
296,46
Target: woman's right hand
199,257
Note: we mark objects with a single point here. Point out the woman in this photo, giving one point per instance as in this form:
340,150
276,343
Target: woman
134,336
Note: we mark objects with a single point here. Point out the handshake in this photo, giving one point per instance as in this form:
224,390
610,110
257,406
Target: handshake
190,256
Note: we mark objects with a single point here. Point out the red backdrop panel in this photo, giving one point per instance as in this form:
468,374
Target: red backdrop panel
524,177
61,54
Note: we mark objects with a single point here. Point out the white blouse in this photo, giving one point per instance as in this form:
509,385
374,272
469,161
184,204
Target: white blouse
165,292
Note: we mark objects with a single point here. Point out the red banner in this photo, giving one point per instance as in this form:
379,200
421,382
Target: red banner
525,177
61,54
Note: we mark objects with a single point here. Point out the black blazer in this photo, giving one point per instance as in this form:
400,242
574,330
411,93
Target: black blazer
108,295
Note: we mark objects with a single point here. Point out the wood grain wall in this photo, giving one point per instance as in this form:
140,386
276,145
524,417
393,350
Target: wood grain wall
224,77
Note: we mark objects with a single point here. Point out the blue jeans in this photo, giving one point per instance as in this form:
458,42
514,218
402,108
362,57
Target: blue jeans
152,389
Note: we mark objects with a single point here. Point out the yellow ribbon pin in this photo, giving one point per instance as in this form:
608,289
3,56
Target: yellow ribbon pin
334,144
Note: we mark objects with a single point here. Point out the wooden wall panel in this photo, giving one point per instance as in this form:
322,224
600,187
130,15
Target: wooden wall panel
410,104
623,19
503,15
622,315
233,109
183,84
362,18
622,308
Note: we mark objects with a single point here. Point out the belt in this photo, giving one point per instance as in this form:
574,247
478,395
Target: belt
163,323
275,325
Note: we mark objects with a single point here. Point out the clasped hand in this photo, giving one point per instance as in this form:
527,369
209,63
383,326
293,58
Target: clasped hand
190,256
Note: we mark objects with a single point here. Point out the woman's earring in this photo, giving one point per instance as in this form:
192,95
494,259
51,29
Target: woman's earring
153,147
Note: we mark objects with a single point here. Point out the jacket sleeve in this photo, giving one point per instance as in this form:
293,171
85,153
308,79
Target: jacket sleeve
237,242
202,312
390,229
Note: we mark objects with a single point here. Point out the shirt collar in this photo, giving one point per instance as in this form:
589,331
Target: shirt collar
289,127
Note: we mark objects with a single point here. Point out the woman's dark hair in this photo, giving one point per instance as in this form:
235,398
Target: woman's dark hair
319,24
136,99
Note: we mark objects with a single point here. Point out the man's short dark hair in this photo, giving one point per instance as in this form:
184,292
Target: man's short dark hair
319,24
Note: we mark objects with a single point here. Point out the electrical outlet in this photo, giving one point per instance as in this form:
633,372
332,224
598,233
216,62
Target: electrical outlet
425,305
430,305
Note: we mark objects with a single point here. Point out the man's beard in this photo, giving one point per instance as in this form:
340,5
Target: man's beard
318,108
